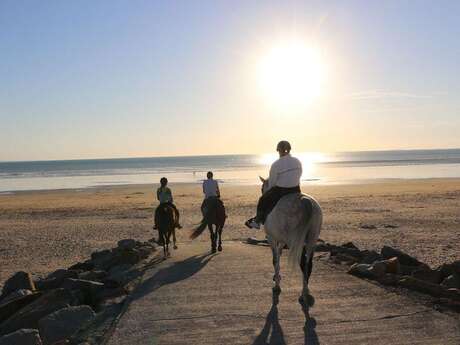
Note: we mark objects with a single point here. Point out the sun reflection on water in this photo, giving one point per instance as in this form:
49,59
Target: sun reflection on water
309,161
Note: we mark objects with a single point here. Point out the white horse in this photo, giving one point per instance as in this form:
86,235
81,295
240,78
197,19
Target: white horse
296,222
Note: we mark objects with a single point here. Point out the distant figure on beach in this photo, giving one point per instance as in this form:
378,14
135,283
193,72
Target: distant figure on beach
210,190
164,196
284,178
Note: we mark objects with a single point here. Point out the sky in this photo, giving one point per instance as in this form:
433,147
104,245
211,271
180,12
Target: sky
102,79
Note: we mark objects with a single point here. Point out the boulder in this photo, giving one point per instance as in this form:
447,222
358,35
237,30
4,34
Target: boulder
22,337
370,256
127,244
405,259
378,269
361,270
407,270
48,284
19,281
96,275
89,288
62,274
350,245
9,308
82,266
348,259
452,281
392,265
449,269
421,286
323,247
16,294
429,275
64,323
389,279
28,316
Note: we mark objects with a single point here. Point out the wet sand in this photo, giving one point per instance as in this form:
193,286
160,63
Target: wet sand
45,230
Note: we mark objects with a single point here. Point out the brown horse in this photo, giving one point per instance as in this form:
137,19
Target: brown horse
166,227
214,218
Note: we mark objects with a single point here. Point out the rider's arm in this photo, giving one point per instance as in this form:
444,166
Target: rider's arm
170,195
217,190
158,194
272,177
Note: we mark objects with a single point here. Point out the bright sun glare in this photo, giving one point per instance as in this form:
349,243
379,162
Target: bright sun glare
292,74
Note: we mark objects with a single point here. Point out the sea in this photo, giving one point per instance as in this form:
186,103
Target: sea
318,168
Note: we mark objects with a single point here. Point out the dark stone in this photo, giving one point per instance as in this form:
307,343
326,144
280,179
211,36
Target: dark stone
449,269
95,275
405,259
9,308
370,256
88,288
22,337
389,279
64,323
28,316
48,284
350,245
16,294
368,226
429,275
324,247
347,251
452,281
62,274
127,244
362,271
348,259
82,266
110,293
19,280
407,270
422,286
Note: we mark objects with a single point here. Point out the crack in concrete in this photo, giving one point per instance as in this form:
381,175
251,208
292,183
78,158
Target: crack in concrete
290,320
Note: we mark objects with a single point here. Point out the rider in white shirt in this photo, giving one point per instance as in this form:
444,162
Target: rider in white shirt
284,178
210,190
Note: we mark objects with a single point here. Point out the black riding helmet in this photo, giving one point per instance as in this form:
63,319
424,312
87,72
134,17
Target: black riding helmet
163,181
283,146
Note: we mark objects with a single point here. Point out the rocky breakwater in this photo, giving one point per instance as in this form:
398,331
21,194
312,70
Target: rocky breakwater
76,305
392,267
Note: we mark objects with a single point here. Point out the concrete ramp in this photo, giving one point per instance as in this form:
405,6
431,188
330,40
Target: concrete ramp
226,298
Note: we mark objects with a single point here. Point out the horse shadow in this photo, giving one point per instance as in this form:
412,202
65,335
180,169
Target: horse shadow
276,336
172,274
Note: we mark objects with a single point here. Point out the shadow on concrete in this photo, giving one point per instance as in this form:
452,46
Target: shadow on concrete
311,338
171,274
271,323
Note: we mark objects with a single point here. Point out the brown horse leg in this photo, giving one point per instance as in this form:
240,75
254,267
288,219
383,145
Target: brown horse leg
174,238
219,232
213,238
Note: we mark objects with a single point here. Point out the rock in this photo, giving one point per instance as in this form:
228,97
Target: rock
378,269
348,259
407,270
22,337
16,294
390,226
64,323
429,275
361,270
88,287
347,251
350,245
28,316
20,280
48,284
370,256
452,281
9,308
392,265
127,244
62,274
389,279
123,274
110,294
82,266
404,259
368,226
323,247
422,286
106,259
96,275
449,269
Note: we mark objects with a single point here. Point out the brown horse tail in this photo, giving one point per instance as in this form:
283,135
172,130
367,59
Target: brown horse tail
198,231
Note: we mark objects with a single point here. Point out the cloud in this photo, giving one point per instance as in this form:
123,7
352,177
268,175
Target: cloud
381,94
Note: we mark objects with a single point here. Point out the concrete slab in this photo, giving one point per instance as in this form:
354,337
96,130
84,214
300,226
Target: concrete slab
226,298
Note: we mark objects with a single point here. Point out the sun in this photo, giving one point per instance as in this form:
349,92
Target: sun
292,74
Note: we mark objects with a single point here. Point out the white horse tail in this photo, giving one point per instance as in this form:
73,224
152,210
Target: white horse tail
307,234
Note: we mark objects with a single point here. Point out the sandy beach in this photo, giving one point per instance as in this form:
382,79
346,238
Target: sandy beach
44,230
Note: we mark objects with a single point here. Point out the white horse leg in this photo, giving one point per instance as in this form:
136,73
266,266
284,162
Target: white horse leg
276,251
